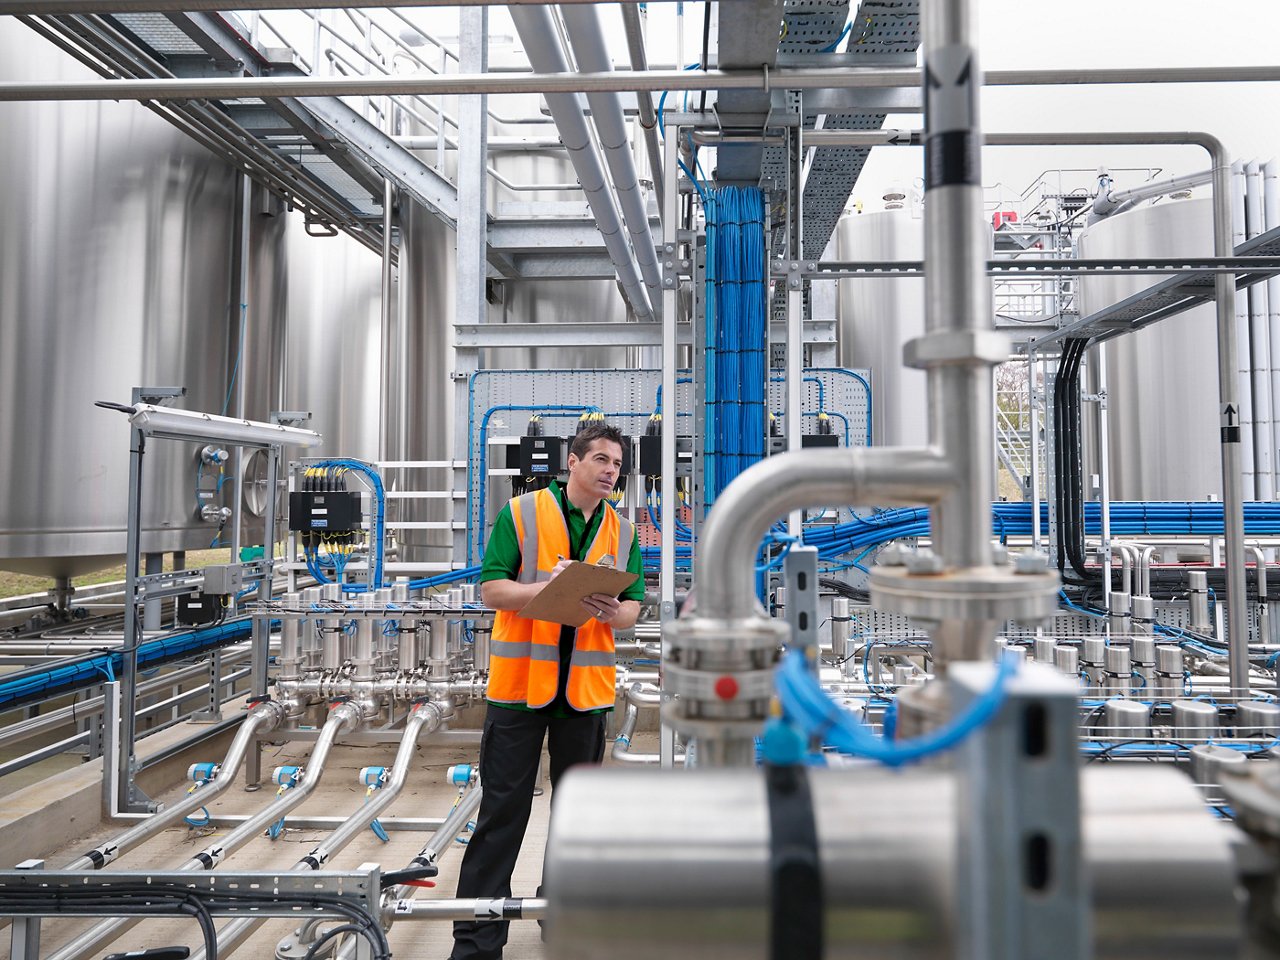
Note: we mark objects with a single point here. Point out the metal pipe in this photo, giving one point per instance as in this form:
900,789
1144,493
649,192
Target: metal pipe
262,718
512,908
1105,204
565,82
1225,297
1259,340
343,718
1271,220
537,32
648,118
1260,563
1244,387
770,489
1144,570
390,401
1126,566
425,718
586,38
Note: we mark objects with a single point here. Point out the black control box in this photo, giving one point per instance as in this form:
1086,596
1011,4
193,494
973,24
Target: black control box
541,456
820,440
334,511
651,456
197,608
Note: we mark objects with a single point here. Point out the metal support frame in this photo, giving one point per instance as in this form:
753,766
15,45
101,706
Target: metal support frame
795,310
1020,876
24,939
800,574
120,791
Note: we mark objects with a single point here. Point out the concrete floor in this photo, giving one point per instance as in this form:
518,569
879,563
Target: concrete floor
426,794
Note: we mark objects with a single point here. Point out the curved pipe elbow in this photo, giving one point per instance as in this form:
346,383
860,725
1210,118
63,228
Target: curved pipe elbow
770,489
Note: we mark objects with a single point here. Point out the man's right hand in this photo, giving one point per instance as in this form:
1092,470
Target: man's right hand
556,570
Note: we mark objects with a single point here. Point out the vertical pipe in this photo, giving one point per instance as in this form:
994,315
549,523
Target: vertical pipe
795,314
1104,470
957,289
1228,366
241,368
1271,220
1244,386
1259,346
667,574
1033,404
390,402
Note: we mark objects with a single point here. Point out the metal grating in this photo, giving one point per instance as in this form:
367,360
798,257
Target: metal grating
159,33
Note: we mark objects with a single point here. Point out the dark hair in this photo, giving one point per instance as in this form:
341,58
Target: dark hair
589,434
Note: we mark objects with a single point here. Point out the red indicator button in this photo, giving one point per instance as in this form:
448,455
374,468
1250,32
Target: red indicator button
726,688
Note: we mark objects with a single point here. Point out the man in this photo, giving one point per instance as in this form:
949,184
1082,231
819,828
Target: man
544,679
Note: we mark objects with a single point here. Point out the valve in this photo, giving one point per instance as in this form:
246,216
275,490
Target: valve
202,772
460,775
372,776
286,776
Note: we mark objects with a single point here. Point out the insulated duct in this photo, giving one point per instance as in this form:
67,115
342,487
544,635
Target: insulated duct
538,34
582,21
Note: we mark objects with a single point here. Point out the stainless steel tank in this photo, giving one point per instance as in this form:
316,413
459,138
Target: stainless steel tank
878,315
115,248
1162,382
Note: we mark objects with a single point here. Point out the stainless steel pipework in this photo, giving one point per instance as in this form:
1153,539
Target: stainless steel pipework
343,718
262,717
424,720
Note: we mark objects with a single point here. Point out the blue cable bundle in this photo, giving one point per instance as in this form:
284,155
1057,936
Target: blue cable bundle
737,332
45,681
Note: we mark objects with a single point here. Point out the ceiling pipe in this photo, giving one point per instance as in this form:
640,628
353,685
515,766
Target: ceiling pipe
538,34
648,118
619,80
586,40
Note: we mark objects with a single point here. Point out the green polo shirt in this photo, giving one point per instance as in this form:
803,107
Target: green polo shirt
502,562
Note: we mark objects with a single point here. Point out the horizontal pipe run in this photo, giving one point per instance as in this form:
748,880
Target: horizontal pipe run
508,908
390,824
745,510
615,81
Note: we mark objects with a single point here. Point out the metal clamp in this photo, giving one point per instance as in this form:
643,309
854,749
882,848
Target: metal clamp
957,347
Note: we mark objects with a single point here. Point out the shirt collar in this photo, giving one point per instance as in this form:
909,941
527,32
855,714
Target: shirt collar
562,497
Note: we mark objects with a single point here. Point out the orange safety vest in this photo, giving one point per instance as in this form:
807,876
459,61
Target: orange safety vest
524,655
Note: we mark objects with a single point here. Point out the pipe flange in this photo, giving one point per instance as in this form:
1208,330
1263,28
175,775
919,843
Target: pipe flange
956,347
705,729
713,644
974,593
737,695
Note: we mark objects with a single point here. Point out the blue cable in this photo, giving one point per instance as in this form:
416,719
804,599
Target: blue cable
804,700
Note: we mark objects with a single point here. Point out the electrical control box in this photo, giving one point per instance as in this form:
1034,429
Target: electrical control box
223,579
820,440
333,511
651,456
541,456
197,608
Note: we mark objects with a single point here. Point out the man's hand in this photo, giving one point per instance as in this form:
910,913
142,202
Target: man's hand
602,606
559,568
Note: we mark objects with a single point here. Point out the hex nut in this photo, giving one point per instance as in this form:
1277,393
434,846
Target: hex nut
1031,562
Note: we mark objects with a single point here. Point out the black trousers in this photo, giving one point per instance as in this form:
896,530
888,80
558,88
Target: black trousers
510,748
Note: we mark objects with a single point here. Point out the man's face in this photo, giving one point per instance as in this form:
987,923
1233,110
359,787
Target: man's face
597,471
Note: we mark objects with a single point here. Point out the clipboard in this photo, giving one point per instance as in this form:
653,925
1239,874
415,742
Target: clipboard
560,601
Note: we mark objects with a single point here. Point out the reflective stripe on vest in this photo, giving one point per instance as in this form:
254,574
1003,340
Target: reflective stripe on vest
525,664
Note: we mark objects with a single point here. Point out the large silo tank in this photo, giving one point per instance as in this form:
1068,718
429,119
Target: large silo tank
1162,382
878,316
115,271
